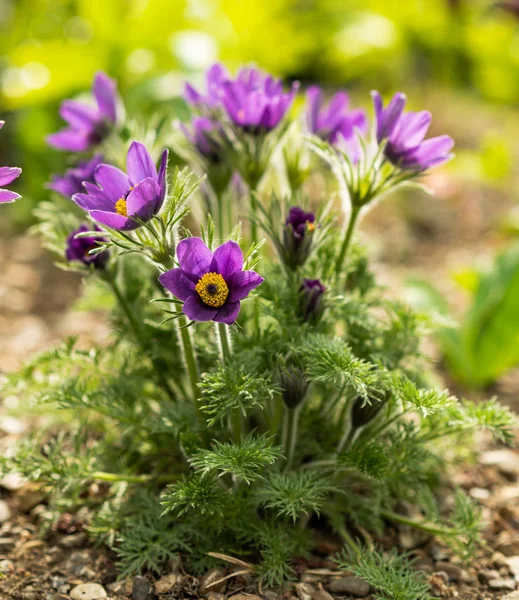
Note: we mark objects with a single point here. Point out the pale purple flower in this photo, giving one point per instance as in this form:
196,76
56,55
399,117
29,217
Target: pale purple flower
203,136
120,200
78,248
88,125
405,132
7,176
215,77
211,286
71,182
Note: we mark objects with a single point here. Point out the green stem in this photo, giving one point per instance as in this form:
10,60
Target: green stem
292,422
116,477
421,525
346,242
225,343
190,358
254,239
236,419
221,225
349,541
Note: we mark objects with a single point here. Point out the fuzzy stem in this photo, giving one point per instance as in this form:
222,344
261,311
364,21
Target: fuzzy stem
421,525
345,438
116,477
221,225
349,541
236,419
190,358
292,422
346,242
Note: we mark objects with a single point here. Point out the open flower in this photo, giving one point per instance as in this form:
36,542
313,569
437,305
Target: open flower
87,125
210,285
335,123
215,77
79,248
7,176
121,200
71,182
405,132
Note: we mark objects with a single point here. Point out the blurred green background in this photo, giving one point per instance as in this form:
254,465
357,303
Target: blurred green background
50,50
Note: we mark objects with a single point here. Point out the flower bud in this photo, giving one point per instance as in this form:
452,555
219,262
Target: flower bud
363,412
297,236
311,303
294,385
79,248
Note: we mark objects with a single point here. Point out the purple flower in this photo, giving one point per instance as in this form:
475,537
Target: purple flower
311,296
203,136
210,285
297,236
512,6
215,77
7,176
120,200
256,101
71,182
78,248
405,134
87,125
336,122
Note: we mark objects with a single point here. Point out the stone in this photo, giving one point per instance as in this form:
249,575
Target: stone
12,482
322,594
453,571
304,591
350,585
216,596
6,544
499,561
513,565
141,589
74,540
509,548
512,596
57,582
208,581
438,553
479,493
5,511
117,588
29,496
6,566
442,575
487,575
164,584
504,460
502,584
88,591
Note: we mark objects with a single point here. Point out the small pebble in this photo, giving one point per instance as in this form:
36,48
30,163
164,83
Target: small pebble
487,575
57,582
88,591
207,582
453,571
6,566
350,585
142,589
5,511
512,596
502,584
164,584
304,591
6,544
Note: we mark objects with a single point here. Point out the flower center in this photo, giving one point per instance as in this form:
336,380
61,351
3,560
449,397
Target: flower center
120,207
212,289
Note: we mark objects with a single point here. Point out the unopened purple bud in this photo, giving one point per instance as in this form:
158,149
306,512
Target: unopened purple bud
297,236
79,248
311,300
294,385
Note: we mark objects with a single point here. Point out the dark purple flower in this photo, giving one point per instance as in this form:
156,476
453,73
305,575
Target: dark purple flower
210,285
87,125
203,135
335,123
256,101
297,236
311,300
79,248
71,182
405,134
120,200
511,6
215,77
7,176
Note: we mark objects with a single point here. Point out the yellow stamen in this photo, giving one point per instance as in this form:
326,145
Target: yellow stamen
212,289
120,207
310,226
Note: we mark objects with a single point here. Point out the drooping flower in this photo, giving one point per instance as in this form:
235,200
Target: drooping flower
120,200
71,182
211,286
88,125
7,176
335,123
255,101
79,248
203,136
311,300
297,236
215,77
405,132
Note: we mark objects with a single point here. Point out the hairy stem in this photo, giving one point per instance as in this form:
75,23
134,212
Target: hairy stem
292,422
346,242
236,419
116,477
421,525
349,541
190,358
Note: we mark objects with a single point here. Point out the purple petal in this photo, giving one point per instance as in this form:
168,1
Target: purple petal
313,98
196,310
8,196
114,182
139,164
113,220
105,92
9,174
191,95
93,201
72,140
143,200
2,123
411,129
78,115
229,259
178,284
194,256
161,177
228,313
430,153
242,283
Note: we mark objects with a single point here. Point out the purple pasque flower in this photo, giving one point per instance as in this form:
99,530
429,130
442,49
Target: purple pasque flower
311,300
214,78
71,182
334,122
203,136
255,101
297,236
78,248
405,132
121,200
88,125
7,176
210,285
